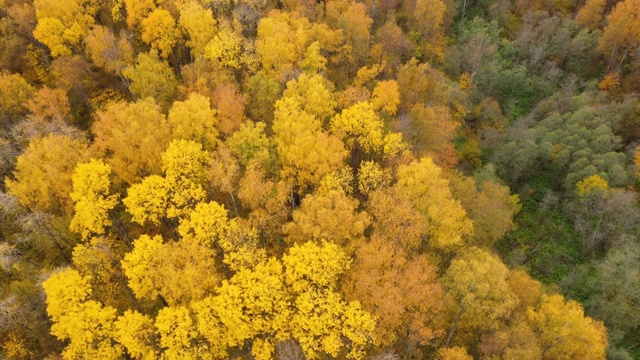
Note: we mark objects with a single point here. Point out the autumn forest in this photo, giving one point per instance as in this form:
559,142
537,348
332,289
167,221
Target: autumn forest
320,179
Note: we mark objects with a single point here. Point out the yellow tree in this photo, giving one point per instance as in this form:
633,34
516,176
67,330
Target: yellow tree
426,19
386,96
136,332
490,206
14,92
307,153
423,183
331,216
179,272
91,195
621,36
402,292
565,333
194,120
131,138
86,324
281,43
252,307
477,280
107,50
49,104
226,48
199,24
433,133
63,24
314,95
360,127
322,322
151,77
174,195
42,179
590,15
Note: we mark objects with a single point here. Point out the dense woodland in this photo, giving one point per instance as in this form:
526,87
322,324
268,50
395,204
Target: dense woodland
319,179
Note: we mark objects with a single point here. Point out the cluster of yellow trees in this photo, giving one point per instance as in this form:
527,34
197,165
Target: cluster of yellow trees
262,180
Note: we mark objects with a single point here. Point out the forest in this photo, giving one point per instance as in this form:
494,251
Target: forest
320,179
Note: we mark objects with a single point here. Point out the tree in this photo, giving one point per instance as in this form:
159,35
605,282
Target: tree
590,15
613,292
91,195
49,104
565,332
429,192
136,332
180,272
14,91
62,25
314,95
253,307
174,195
226,48
426,19
621,36
263,94
43,173
131,138
330,216
402,292
108,51
281,43
490,207
194,120
355,23
386,96
477,280
307,153
199,24
434,130
85,323
136,10
151,77
322,322
360,127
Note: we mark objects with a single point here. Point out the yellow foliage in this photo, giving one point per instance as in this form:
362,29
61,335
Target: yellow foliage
14,92
194,120
137,10
312,266
86,324
565,332
92,198
136,332
43,173
307,154
386,96
178,335
453,353
159,30
592,184
180,272
478,281
199,24
148,200
131,138
313,94
225,47
313,60
360,126
331,216
371,176
63,24
610,83
429,191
